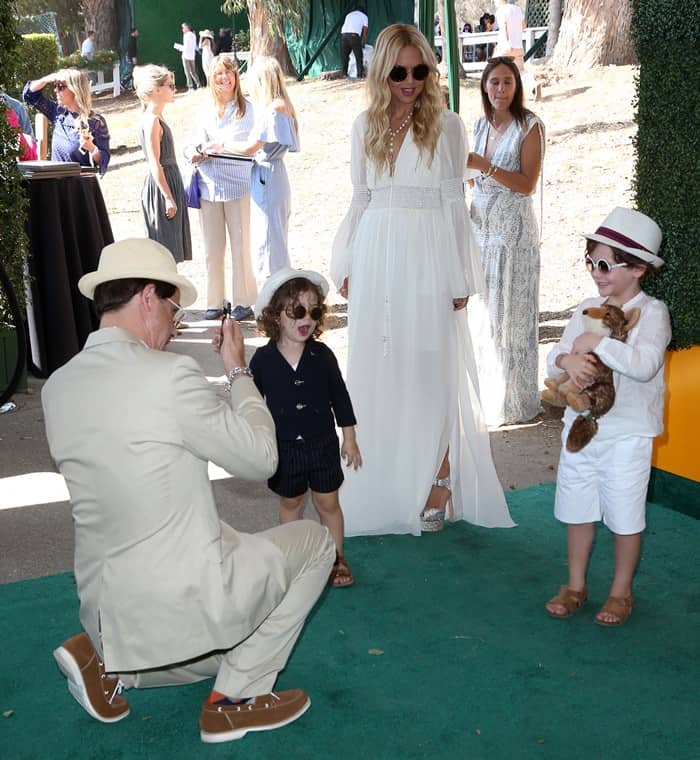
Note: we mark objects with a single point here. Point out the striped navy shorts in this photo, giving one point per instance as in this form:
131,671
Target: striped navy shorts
312,463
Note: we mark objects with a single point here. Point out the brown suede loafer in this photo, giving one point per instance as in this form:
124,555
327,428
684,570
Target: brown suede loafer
225,721
95,691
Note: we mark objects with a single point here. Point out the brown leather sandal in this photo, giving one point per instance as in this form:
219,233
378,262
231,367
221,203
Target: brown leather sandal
618,606
571,600
340,577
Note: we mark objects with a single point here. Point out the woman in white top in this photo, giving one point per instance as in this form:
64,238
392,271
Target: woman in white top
406,259
276,133
224,186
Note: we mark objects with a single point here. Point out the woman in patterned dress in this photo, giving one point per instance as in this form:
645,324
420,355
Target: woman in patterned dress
508,153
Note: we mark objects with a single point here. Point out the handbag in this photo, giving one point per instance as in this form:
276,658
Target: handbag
190,180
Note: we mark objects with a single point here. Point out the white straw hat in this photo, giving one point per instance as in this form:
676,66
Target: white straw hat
632,232
137,257
276,280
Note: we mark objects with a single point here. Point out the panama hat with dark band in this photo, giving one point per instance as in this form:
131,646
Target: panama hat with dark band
632,232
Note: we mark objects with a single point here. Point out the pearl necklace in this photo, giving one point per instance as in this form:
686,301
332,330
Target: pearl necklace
396,132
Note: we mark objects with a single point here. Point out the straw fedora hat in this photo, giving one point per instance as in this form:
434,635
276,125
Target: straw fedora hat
276,280
206,33
632,232
138,257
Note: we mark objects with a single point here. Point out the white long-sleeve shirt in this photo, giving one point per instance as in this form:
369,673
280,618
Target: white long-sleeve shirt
637,364
189,45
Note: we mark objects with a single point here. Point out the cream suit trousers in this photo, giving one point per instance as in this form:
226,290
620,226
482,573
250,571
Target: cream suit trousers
216,218
251,667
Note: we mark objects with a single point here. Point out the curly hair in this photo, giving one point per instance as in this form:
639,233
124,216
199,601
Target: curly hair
427,117
269,322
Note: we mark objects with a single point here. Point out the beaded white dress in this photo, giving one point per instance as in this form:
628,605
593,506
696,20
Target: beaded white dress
505,320
407,246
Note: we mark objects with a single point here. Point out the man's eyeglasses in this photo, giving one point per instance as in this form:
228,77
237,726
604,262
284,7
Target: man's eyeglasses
399,73
299,312
602,265
60,86
178,314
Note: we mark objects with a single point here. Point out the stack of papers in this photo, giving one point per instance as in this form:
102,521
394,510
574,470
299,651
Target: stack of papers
48,169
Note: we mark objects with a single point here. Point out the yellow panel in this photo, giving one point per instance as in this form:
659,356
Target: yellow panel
676,450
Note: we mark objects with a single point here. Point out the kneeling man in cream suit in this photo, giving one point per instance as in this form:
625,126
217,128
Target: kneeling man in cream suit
168,593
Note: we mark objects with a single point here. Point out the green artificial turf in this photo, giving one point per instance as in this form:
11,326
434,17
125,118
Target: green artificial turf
441,649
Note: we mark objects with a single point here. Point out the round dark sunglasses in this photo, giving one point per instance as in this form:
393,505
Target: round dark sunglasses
601,265
299,312
399,73
60,86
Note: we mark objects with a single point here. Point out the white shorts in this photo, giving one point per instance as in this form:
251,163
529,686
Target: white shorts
606,480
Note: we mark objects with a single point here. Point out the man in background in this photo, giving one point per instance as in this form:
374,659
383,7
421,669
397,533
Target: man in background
189,51
511,23
353,36
131,60
87,49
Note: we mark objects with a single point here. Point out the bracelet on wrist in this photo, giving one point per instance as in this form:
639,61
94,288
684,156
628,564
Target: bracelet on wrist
235,372
490,171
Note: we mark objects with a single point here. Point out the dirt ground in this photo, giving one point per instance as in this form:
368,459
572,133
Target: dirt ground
588,170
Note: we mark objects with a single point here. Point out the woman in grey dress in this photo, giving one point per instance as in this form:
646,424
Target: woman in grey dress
162,196
508,153
275,133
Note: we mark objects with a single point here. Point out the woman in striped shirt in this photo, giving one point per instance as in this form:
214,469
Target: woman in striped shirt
224,186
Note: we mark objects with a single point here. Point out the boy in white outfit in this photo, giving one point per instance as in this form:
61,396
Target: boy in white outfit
607,480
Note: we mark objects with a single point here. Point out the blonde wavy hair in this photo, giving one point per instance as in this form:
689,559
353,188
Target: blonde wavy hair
266,83
147,78
427,116
78,83
221,63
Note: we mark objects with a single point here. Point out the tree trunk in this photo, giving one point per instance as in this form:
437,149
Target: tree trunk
262,43
554,25
100,16
595,33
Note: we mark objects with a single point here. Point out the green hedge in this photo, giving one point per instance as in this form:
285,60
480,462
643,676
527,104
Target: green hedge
13,203
37,55
667,188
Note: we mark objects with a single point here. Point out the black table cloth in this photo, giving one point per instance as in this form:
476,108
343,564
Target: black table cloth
68,226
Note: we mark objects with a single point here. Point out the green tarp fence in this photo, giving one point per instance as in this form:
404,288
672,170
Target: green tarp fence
320,39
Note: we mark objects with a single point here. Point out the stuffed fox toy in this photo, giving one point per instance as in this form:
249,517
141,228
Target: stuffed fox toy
597,398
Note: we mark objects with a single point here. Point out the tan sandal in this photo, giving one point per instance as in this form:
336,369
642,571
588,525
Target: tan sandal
618,606
571,600
340,576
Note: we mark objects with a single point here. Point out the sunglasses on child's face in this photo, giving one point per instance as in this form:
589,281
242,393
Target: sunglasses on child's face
297,311
601,265
399,73
60,86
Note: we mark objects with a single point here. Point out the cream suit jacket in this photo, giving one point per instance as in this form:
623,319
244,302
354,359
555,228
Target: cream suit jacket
160,578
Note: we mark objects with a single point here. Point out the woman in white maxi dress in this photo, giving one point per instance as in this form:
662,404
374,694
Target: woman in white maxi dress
406,253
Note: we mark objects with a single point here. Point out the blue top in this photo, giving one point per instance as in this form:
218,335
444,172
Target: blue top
302,401
276,130
66,131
